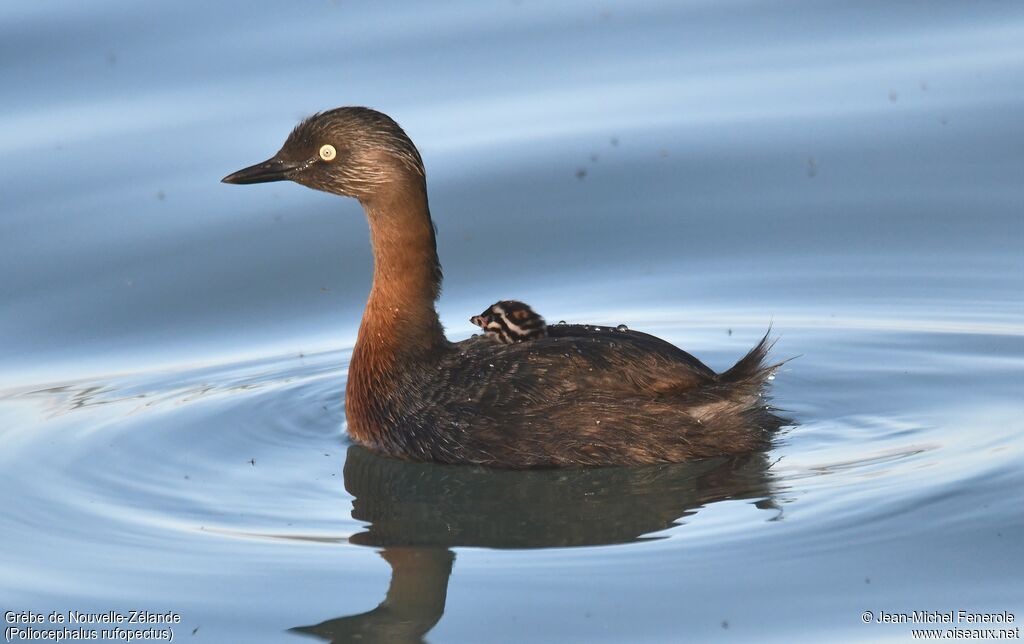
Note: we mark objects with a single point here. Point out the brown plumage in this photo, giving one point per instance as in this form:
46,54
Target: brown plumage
509,321
580,396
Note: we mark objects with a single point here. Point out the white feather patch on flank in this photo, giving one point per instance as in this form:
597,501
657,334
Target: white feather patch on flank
701,413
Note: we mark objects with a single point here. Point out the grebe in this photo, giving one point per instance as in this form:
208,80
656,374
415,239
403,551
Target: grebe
509,321
581,396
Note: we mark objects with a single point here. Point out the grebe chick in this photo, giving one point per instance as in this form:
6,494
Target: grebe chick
580,396
509,321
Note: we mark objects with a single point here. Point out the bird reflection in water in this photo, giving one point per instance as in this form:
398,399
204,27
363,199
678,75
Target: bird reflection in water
417,512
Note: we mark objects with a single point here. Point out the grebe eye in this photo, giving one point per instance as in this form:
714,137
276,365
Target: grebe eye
327,152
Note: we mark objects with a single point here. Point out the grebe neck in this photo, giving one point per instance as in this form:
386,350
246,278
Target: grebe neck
400,325
400,316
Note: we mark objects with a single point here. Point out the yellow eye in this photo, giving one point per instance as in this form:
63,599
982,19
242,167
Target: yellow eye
327,152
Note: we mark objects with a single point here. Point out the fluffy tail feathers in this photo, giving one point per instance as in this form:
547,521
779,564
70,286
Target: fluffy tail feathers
748,376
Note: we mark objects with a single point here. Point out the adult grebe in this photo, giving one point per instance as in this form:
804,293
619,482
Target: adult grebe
582,396
511,321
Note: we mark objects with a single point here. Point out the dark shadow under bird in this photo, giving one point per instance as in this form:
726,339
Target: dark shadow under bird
417,513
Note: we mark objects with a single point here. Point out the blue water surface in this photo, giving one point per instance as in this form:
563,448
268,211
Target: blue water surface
173,351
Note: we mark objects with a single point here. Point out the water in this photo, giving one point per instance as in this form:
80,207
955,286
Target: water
174,350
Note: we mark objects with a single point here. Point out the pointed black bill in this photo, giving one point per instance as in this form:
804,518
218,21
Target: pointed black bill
272,169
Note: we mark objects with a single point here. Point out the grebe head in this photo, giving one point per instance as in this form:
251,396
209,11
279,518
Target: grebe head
350,151
510,321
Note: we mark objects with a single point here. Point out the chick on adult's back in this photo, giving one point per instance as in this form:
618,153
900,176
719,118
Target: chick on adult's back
509,321
581,395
